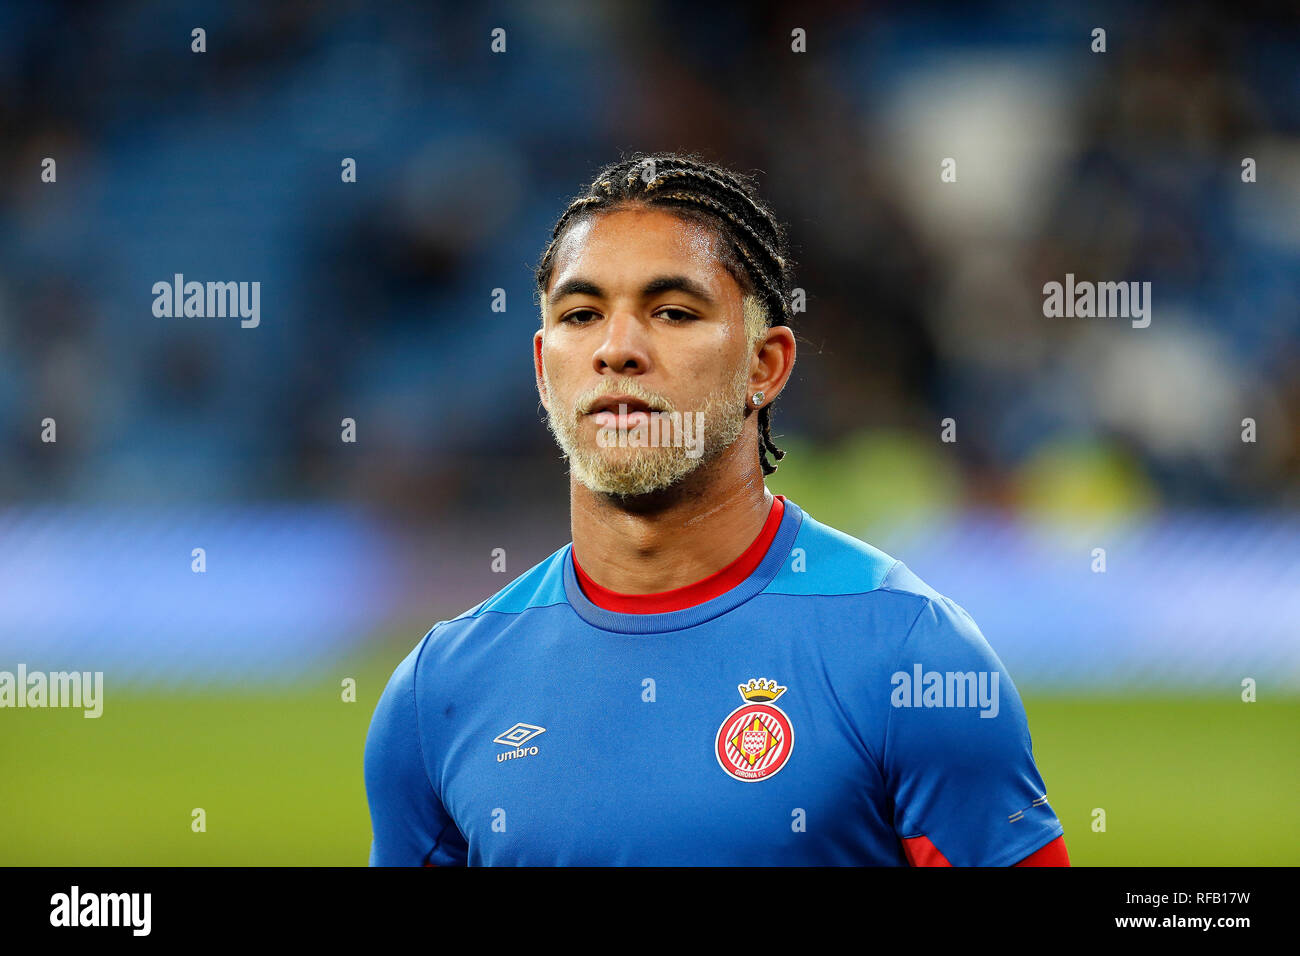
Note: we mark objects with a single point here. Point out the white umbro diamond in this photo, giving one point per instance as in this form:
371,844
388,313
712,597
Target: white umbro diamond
519,734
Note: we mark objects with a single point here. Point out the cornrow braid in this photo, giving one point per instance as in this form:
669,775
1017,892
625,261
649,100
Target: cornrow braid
757,207
754,240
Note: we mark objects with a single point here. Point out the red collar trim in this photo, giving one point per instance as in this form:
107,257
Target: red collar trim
706,589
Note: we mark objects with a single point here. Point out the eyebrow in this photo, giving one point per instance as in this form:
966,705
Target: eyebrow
659,284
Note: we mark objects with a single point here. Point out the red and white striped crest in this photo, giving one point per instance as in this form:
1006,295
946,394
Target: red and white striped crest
754,742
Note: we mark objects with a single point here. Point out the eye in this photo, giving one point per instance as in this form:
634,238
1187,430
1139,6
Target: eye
574,317
678,315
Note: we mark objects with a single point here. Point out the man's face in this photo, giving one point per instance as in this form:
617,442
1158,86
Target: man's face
640,311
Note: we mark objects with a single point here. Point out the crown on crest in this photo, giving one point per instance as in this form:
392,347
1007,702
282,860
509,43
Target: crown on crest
760,689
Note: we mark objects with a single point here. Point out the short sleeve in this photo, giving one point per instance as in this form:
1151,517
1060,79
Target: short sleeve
408,822
958,760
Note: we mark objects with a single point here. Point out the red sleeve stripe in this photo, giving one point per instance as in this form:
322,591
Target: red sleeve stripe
1051,855
921,852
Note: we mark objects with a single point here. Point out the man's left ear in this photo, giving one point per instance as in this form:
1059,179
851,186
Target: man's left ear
776,356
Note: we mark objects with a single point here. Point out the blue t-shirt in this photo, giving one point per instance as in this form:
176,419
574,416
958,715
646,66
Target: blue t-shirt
820,712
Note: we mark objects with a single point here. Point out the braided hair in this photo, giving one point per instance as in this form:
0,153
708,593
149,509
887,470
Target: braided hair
755,249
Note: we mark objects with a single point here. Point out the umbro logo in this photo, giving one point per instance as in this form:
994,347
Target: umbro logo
519,734
516,737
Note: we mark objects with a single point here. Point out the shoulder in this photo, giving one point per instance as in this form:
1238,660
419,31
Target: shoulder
540,587
873,586
826,561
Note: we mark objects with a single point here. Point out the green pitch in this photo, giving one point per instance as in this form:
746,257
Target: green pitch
1182,780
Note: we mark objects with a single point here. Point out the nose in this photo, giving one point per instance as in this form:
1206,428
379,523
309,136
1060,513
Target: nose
623,349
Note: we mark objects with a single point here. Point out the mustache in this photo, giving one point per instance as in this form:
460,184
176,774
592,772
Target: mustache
582,405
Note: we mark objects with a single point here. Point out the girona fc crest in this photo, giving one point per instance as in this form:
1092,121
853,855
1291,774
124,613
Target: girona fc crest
755,740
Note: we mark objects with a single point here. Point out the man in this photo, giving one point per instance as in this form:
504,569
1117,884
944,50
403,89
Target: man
706,675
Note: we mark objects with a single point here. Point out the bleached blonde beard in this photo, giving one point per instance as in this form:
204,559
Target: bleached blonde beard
647,468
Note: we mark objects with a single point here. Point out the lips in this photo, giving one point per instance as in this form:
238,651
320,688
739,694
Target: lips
608,403
620,411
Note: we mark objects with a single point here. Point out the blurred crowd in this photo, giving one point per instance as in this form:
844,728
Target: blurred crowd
924,297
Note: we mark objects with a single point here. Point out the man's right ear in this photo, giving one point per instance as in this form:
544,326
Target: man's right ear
537,370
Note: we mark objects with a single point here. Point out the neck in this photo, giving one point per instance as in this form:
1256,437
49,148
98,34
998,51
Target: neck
652,543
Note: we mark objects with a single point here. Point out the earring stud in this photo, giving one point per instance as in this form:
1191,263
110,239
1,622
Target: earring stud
758,399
